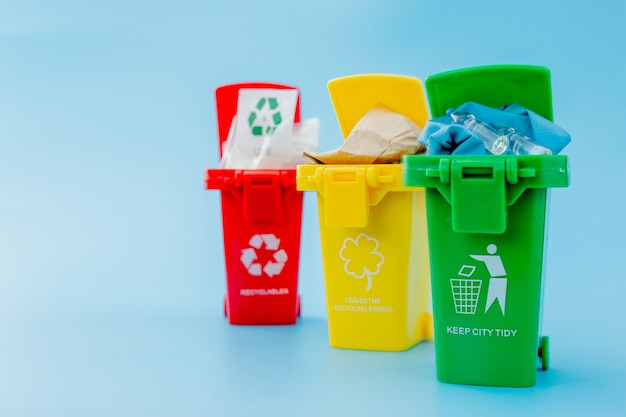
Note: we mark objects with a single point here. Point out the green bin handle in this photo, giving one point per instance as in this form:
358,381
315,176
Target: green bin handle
479,188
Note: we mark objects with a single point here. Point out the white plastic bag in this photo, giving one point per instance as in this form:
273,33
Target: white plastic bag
263,135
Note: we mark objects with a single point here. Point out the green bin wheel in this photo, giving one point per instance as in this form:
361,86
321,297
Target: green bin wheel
544,353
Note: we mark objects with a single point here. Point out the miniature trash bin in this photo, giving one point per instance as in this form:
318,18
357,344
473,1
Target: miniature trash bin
372,229
261,221
487,220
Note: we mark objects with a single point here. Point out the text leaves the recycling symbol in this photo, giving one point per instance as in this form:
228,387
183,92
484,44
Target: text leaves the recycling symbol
265,118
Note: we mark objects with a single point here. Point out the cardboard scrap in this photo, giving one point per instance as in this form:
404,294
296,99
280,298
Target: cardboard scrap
381,136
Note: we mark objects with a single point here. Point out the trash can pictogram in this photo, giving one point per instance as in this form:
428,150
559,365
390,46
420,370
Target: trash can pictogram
261,222
465,292
486,228
372,229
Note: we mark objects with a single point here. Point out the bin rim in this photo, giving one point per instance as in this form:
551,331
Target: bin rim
534,171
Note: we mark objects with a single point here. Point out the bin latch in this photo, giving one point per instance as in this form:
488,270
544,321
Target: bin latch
262,196
478,196
346,196
350,191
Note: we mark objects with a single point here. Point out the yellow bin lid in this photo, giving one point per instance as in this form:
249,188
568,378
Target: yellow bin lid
354,95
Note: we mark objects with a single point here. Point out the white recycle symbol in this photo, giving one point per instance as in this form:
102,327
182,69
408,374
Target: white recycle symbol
249,256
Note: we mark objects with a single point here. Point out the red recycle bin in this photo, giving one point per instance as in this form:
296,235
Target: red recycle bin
261,221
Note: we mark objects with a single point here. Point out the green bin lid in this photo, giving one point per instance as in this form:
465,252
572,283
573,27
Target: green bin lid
493,86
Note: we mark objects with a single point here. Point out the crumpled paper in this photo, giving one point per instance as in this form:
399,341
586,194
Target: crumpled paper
381,136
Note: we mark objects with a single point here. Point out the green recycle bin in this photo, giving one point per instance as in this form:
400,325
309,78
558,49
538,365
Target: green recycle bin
486,231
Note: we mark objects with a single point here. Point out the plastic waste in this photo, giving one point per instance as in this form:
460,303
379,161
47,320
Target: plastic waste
495,142
522,144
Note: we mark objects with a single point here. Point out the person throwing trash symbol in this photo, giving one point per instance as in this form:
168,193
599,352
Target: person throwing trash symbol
497,280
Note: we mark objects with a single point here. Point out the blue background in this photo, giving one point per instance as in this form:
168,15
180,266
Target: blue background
111,266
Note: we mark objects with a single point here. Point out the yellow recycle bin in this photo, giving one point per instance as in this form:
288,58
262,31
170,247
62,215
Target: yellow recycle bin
373,229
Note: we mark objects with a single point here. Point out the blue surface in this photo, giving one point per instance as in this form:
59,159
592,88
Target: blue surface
111,267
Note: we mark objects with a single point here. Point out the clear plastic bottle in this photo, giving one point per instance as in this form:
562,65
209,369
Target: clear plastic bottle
495,142
523,145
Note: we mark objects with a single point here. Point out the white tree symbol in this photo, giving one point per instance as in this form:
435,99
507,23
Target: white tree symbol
361,257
